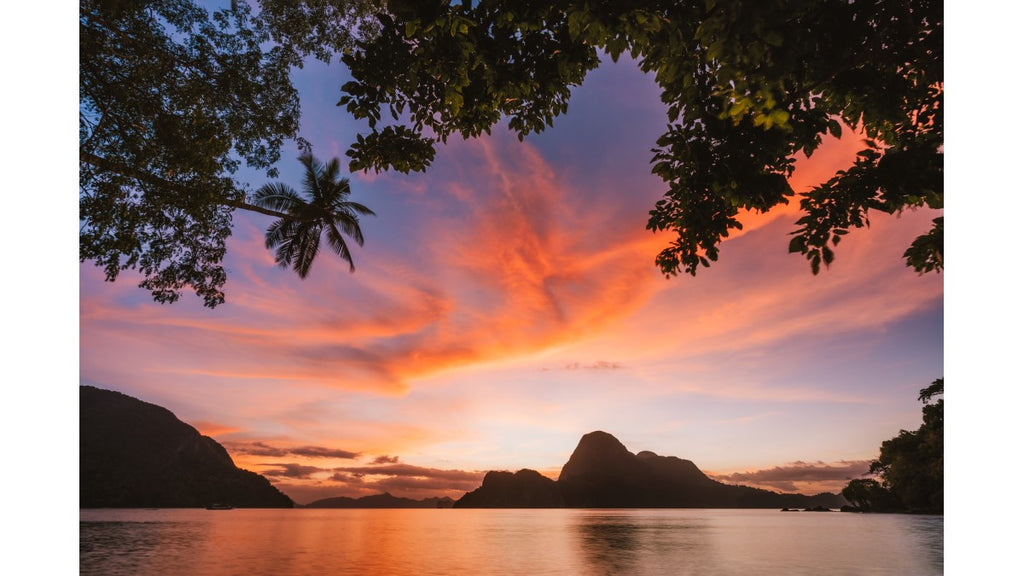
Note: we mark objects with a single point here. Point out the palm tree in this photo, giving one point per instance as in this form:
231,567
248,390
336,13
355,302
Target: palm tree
323,207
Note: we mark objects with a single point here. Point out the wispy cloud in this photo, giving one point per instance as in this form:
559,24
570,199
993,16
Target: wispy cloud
306,483
598,365
291,470
263,449
800,476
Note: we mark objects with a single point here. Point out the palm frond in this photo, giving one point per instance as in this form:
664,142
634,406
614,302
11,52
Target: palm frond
312,177
285,254
339,192
331,172
280,231
350,226
277,196
308,247
357,207
337,243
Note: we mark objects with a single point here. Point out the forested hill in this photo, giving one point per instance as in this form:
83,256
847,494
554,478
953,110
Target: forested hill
602,473
139,455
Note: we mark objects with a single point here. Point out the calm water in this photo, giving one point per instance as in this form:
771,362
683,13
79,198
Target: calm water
583,542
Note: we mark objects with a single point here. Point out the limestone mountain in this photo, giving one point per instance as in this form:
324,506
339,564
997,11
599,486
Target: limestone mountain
602,473
134,454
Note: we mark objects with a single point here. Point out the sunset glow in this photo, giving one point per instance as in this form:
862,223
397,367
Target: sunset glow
506,302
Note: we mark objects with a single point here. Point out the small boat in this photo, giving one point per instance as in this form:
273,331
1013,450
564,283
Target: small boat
220,506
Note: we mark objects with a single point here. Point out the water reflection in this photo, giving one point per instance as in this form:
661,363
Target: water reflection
643,542
730,542
124,547
608,544
506,542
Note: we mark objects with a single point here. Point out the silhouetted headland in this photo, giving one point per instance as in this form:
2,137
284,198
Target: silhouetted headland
138,455
602,473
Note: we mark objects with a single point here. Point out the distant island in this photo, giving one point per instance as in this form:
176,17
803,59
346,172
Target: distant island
384,500
134,454
602,473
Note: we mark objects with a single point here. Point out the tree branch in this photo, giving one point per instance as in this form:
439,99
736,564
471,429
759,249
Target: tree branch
124,170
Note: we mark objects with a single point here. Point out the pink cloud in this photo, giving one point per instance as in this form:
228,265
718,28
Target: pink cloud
307,483
800,477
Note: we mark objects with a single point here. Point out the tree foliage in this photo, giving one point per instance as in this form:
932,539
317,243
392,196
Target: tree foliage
747,85
909,465
174,99
867,494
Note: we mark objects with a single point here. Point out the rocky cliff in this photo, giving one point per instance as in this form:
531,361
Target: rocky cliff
134,454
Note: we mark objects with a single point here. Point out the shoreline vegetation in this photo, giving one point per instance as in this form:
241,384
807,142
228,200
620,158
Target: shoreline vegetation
909,466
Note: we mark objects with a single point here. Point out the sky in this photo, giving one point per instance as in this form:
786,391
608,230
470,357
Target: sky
506,302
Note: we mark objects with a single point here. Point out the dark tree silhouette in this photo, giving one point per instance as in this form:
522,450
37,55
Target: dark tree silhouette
323,209
868,495
909,465
174,99
747,85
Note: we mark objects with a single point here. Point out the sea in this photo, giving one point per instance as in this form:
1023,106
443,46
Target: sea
308,542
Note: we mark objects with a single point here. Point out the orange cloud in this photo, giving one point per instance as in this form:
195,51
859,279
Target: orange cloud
514,270
867,287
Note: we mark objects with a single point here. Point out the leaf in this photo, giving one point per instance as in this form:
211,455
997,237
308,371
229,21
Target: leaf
780,117
835,128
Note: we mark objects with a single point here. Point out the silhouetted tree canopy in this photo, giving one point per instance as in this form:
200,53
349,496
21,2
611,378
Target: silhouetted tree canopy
868,495
910,466
175,99
747,85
